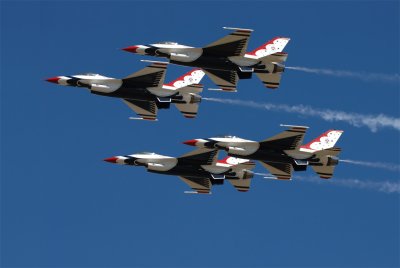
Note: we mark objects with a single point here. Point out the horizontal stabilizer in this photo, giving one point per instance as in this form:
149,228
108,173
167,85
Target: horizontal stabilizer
242,185
273,69
327,162
189,110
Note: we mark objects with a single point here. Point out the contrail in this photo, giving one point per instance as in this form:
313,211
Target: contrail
367,77
373,122
380,186
387,166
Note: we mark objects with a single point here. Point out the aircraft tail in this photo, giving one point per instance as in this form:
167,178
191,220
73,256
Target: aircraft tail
189,105
325,141
327,161
271,68
192,77
273,46
241,172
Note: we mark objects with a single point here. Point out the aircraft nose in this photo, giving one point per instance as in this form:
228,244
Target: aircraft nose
53,80
111,159
190,142
132,49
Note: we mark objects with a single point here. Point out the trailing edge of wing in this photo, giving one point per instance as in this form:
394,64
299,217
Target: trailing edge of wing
147,110
282,171
199,185
225,80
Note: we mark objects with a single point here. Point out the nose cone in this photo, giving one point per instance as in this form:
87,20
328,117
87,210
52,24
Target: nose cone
190,142
132,49
111,159
53,80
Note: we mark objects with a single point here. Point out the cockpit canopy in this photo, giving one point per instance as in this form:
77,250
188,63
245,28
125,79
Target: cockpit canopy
91,74
168,43
146,153
226,136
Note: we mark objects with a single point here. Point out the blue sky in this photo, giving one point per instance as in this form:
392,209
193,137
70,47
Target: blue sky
62,206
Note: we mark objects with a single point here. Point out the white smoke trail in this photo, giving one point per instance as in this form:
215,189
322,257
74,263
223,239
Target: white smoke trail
380,186
362,76
387,166
373,122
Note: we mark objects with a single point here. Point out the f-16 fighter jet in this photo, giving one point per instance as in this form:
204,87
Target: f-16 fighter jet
199,169
144,91
226,60
283,153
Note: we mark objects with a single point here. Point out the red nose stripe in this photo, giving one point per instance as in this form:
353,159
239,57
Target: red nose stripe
111,159
190,142
53,80
131,49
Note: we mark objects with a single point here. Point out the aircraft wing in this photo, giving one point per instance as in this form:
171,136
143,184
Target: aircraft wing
199,185
147,110
225,80
290,139
151,76
201,156
282,171
233,44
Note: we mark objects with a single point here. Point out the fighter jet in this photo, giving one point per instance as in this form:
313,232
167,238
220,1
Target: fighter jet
143,91
282,153
226,60
199,169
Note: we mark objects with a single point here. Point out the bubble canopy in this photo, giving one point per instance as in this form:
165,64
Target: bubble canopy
90,74
226,136
146,153
168,43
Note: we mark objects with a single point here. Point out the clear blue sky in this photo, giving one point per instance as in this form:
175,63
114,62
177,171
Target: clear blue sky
62,206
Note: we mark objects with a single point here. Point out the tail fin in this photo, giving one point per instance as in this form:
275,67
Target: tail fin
190,78
242,173
236,163
325,141
327,161
275,45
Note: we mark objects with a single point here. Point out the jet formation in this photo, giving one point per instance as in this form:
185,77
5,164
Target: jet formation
224,61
